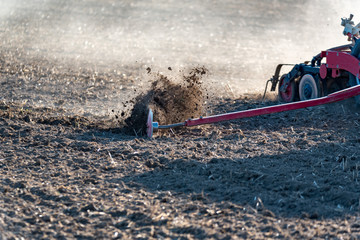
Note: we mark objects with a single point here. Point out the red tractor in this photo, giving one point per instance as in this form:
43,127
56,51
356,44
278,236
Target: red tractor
313,83
329,71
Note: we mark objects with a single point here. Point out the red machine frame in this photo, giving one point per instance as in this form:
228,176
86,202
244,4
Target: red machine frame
339,60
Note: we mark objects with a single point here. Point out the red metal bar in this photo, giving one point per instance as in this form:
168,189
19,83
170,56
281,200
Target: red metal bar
331,98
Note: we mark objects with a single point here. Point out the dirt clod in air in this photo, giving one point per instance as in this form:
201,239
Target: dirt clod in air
171,102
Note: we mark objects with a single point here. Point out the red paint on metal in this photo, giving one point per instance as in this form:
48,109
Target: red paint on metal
334,97
323,54
335,60
342,60
335,72
323,71
287,95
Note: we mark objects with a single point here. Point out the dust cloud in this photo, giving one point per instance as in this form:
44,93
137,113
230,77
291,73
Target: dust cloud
240,42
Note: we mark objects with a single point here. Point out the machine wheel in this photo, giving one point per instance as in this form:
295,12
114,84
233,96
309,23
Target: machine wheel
308,88
289,94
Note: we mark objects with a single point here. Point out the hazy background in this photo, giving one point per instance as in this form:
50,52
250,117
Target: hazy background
239,41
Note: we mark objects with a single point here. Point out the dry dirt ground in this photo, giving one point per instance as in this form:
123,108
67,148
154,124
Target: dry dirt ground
67,173
287,175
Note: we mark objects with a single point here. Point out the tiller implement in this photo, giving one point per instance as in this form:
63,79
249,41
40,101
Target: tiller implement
308,84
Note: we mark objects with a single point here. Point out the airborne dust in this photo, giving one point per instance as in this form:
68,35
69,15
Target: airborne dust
65,65
102,49
171,101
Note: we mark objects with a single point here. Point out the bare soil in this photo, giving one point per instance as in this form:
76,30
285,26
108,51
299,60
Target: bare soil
287,175
70,170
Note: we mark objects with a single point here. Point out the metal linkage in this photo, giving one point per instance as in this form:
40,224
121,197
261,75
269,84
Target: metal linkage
331,98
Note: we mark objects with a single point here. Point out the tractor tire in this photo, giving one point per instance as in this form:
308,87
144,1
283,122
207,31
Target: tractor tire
290,94
308,88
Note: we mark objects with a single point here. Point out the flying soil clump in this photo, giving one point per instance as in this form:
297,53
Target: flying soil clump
171,102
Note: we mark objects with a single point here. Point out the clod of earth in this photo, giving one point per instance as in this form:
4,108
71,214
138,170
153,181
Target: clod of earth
171,102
